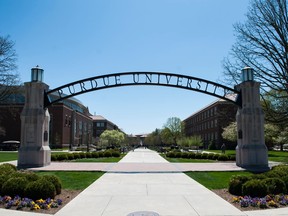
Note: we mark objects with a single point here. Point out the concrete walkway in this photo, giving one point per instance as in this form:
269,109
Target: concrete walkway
145,182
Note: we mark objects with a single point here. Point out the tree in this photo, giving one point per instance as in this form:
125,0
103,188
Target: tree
112,137
9,78
193,141
174,127
230,132
262,43
154,139
273,134
167,137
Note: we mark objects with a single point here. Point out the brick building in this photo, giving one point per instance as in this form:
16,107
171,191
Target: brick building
208,123
100,124
70,122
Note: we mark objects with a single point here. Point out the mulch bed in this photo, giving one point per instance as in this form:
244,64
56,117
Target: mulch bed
66,196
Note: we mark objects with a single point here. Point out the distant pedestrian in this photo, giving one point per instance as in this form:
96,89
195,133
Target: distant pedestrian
223,148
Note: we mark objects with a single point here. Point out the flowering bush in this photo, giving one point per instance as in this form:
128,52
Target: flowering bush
21,203
264,202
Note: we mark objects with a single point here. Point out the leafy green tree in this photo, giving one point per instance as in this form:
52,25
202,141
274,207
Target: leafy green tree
190,142
273,134
173,129
262,43
113,137
167,136
282,138
154,139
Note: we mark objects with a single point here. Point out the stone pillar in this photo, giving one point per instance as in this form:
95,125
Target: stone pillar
34,150
251,151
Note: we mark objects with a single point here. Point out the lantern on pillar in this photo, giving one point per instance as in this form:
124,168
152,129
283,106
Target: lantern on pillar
37,74
247,74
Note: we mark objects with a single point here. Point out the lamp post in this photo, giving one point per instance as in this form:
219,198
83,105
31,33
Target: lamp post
247,74
37,74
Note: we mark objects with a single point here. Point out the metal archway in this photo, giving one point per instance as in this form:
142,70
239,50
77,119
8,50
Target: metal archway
141,78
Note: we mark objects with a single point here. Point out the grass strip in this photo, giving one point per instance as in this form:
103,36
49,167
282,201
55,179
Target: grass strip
215,180
8,156
73,180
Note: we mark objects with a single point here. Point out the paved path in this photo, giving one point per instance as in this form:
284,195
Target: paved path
144,181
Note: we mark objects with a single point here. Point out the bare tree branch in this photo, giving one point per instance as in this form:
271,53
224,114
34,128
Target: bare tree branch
262,43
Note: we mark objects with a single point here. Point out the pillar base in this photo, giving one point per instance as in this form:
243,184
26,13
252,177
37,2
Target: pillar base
33,156
252,157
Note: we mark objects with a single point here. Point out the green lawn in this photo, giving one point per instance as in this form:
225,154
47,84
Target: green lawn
186,160
215,180
278,156
75,180
8,156
227,152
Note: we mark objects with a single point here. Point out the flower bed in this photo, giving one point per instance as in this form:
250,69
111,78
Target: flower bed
25,203
272,201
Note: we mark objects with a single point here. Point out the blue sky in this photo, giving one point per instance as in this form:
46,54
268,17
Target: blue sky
77,39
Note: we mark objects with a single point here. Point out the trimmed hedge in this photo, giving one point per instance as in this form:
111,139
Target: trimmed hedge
40,189
235,184
55,181
255,188
193,155
14,186
27,184
272,182
80,155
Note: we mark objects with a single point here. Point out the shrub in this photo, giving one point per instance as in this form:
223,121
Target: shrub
3,179
274,185
55,181
210,156
282,167
62,157
216,156
116,153
170,154
185,155
30,176
198,156
178,155
192,155
254,188
204,156
259,176
40,189
235,184
6,169
101,154
70,156
223,157
107,154
76,156
82,155
14,186
95,154
232,157
285,180
54,157
88,155
275,174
